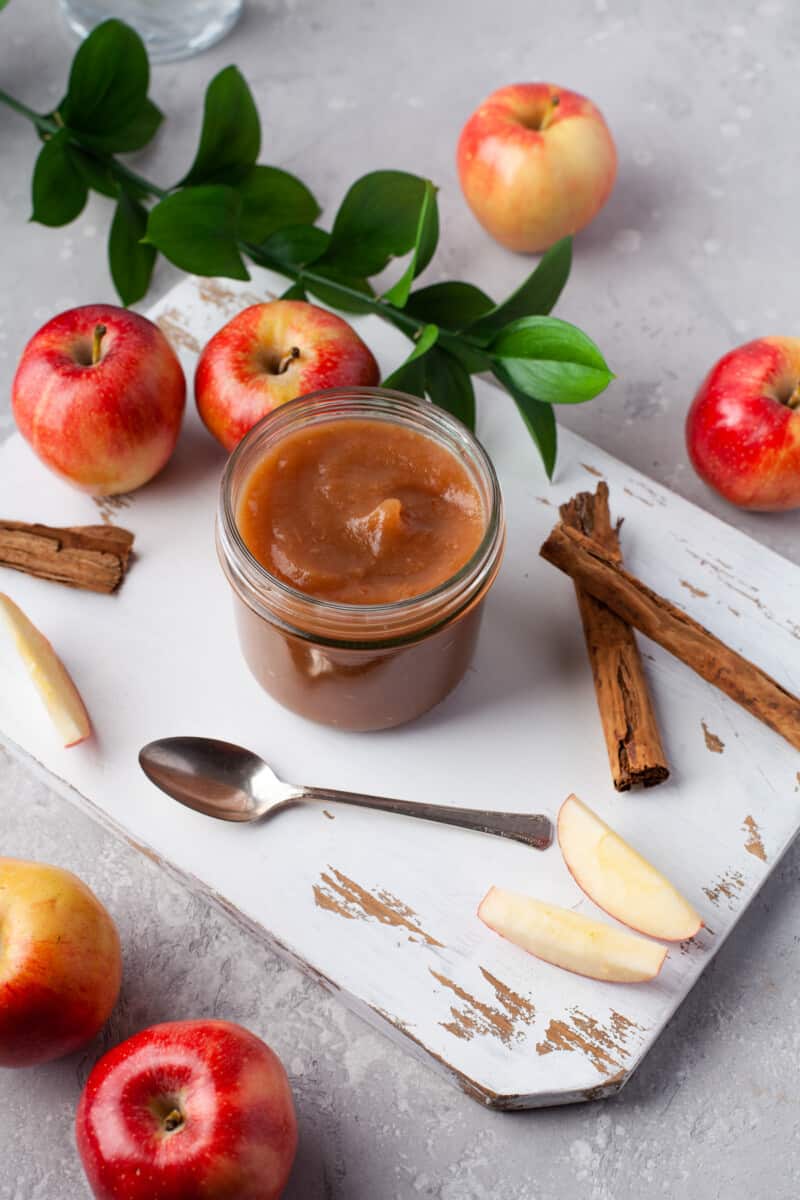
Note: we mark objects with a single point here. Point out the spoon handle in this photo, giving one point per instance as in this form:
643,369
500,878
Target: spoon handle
533,829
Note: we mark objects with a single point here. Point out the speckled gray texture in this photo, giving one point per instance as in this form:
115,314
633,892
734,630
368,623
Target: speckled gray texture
696,250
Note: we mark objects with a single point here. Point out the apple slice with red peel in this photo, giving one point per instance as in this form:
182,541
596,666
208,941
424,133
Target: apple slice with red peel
619,880
569,940
62,699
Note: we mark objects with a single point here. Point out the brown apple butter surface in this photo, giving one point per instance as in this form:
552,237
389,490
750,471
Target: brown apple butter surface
361,512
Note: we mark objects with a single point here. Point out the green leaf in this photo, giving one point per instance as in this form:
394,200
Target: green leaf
294,247
196,229
410,375
425,240
551,360
428,336
536,296
97,174
338,289
472,358
449,385
3,3
131,261
378,220
59,188
132,136
231,133
108,81
451,305
295,292
539,419
273,199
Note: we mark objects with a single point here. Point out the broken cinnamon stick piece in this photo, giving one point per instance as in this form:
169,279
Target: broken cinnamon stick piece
93,557
633,741
594,569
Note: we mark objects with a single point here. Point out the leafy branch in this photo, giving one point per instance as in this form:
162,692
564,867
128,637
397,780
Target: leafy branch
228,207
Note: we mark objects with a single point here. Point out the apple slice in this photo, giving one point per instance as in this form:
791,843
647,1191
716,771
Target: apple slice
619,880
52,680
567,939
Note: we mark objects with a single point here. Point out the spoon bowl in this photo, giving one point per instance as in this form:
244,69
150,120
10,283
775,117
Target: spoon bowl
216,778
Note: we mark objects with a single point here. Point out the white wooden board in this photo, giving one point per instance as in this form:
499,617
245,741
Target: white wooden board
383,908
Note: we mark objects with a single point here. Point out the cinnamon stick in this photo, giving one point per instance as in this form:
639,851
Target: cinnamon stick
594,569
633,741
93,557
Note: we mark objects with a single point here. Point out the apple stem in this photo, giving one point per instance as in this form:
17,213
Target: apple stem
173,1120
549,112
97,338
287,360
794,399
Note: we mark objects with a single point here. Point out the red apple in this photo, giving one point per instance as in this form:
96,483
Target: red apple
743,428
271,353
99,394
536,162
188,1109
60,963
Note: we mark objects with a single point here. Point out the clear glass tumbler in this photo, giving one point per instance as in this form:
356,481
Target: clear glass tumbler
171,29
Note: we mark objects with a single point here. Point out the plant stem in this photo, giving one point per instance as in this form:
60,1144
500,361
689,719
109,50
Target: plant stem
412,326
124,173
307,274
43,123
46,124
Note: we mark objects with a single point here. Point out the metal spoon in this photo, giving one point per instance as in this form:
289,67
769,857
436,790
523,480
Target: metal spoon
231,783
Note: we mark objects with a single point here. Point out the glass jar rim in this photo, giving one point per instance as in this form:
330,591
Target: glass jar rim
335,622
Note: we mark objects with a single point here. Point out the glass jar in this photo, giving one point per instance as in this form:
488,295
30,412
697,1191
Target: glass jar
358,666
170,30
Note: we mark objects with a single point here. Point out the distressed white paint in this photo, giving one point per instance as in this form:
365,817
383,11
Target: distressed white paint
521,732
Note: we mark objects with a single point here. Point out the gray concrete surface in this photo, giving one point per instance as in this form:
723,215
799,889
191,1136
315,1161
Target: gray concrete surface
696,251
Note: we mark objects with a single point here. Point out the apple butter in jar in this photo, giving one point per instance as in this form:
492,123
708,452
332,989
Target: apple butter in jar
360,530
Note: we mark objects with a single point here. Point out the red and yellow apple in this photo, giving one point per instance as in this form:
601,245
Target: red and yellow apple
743,428
567,939
47,672
536,162
188,1109
619,880
60,963
271,353
99,394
